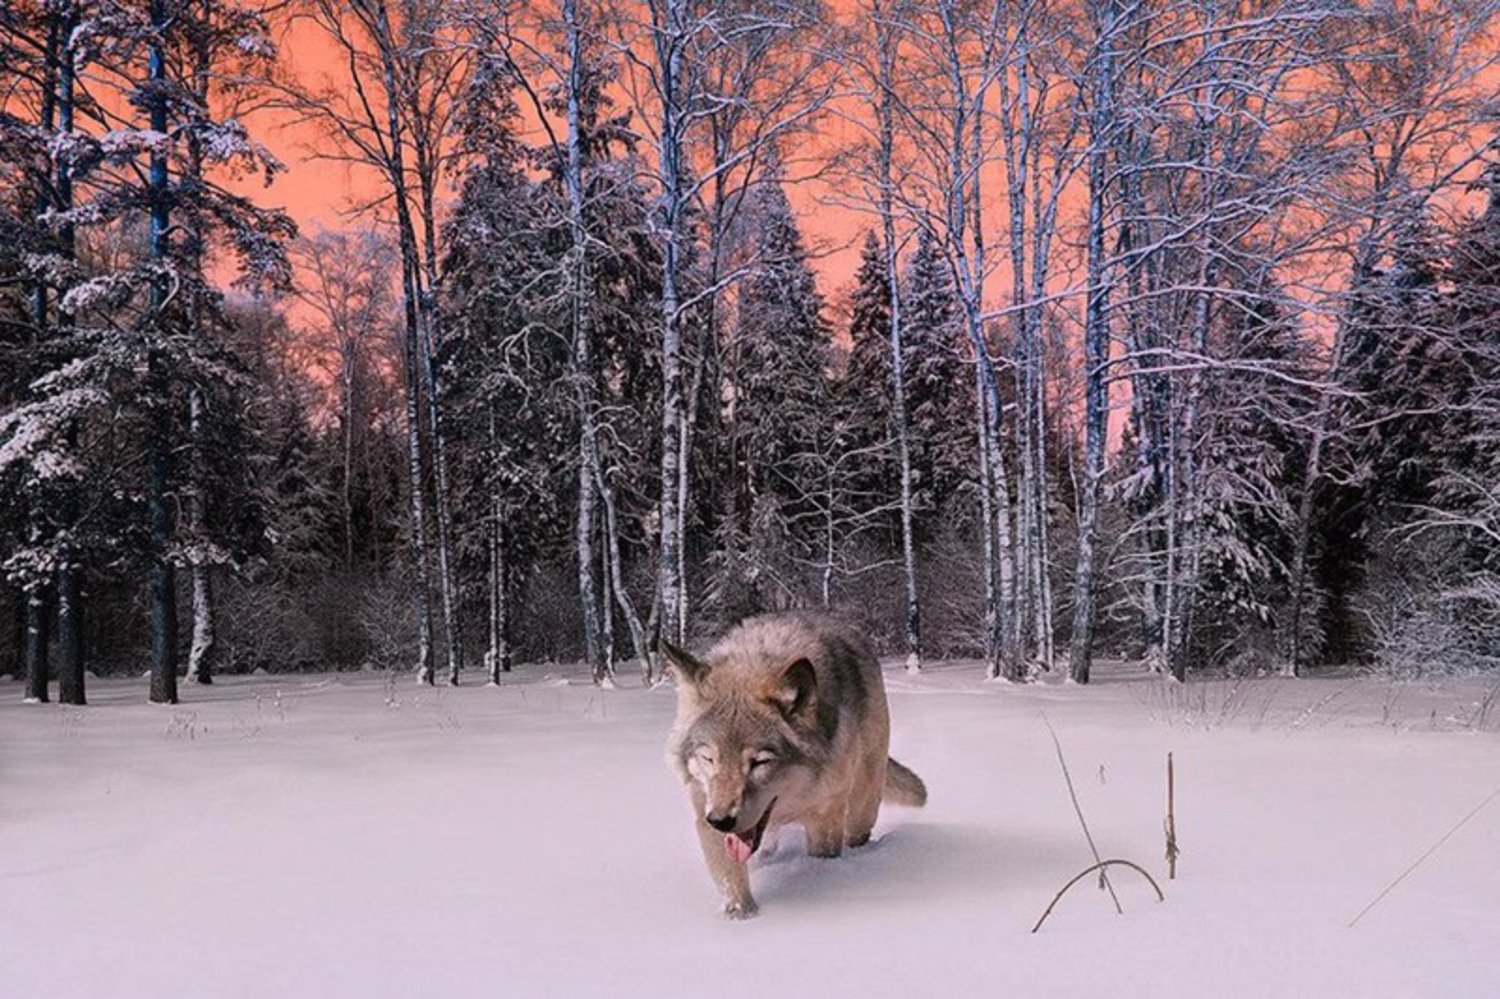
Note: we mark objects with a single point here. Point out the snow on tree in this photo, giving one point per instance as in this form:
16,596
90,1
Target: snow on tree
777,406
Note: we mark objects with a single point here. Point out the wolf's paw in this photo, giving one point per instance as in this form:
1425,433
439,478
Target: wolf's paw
826,852
741,910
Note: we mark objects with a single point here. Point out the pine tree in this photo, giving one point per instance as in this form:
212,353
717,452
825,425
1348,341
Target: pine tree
865,388
940,391
1427,360
778,408
509,401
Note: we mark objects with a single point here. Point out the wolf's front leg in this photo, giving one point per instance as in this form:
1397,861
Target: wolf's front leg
825,827
732,877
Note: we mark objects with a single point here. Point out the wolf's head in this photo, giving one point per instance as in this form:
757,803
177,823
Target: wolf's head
743,738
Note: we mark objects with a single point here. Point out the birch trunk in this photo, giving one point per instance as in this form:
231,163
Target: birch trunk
1096,345
912,618
416,502
987,520
965,223
431,329
639,632
202,660
668,38
601,665
497,657
411,294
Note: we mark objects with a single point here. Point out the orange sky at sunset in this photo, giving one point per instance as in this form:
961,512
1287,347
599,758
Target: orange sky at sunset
322,192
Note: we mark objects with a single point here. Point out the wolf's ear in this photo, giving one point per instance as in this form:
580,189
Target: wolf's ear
797,692
688,669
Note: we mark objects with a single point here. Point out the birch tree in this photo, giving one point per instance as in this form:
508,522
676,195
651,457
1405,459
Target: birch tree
392,113
701,67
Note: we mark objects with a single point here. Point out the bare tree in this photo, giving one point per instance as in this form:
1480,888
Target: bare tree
344,278
404,72
696,68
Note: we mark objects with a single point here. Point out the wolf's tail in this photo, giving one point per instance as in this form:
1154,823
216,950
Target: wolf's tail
902,787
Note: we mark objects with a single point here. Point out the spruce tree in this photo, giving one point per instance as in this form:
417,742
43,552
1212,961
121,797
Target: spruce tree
865,389
939,389
780,401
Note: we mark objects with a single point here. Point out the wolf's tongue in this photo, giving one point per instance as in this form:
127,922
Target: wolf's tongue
738,849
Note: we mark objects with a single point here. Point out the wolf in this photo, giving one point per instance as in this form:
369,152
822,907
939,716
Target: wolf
783,721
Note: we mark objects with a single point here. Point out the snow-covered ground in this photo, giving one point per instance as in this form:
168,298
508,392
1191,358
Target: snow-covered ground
346,836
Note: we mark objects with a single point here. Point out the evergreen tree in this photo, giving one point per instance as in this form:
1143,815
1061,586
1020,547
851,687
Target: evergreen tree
1427,361
779,408
939,384
1250,465
865,389
506,360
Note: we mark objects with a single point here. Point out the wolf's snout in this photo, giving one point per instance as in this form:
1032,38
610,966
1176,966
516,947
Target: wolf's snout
724,823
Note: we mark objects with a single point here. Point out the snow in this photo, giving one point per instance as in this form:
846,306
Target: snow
345,835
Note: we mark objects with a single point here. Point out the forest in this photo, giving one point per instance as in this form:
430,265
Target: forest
1171,334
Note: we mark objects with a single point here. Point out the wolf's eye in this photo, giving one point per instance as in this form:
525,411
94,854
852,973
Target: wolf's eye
762,762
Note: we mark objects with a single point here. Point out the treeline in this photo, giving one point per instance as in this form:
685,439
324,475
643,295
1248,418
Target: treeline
1175,334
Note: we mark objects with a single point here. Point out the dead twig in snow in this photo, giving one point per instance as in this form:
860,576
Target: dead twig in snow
1429,852
1090,870
1171,821
1099,864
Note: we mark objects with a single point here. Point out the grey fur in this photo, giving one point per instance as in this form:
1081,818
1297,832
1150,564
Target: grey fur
783,721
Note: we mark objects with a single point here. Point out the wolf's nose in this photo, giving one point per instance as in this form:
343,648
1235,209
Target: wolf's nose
723,823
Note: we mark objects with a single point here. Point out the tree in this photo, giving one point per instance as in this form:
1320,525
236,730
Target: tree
940,401
698,67
344,278
779,407
867,380
510,384
406,71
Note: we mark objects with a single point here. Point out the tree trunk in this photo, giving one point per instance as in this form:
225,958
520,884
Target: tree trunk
1010,663
412,351
668,42
70,665
416,501
1012,660
163,577
442,500
987,522
36,643
600,662
1096,348
497,657
34,593
349,358
70,679
912,617
202,658
965,222
639,638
